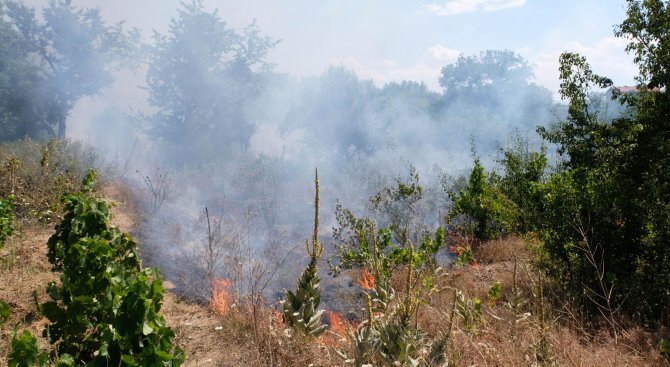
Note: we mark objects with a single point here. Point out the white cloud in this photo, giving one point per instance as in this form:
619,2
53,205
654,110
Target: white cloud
607,57
441,54
469,6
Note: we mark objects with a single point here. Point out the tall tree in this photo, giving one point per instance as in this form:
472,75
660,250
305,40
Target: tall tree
607,223
52,63
500,69
203,78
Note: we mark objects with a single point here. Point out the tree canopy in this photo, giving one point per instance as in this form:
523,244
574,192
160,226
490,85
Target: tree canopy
48,64
204,77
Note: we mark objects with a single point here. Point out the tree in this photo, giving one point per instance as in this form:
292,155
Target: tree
203,78
51,64
523,171
492,69
491,95
606,223
338,110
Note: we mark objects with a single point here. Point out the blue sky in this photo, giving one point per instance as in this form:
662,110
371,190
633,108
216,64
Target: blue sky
389,40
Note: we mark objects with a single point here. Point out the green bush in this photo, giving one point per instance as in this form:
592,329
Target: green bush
6,219
481,209
105,309
24,352
604,215
523,171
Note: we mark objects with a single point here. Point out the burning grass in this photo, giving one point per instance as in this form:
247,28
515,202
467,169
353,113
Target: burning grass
519,329
221,300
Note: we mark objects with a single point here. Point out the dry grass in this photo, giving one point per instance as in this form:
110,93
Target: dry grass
24,269
536,333
502,250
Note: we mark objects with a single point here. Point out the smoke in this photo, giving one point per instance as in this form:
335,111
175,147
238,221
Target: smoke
208,121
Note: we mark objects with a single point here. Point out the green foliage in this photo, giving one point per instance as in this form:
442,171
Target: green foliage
488,214
388,336
52,61
424,254
494,293
5,311
647,27
390,342
604,215
301,307
360,244
664,349
464,256
105,309
356,239
24,352
397,204
523,171
469,309
6,219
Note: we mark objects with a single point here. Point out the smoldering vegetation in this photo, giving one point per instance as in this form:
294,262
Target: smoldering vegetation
223,153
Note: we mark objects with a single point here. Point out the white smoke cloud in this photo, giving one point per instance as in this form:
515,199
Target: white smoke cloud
471,6
426,68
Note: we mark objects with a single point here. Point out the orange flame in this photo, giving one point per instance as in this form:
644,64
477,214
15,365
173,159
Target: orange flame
337,334
337,326
457,250
367,280
220,299
277,319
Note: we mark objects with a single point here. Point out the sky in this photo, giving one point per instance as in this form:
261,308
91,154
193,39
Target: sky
393,40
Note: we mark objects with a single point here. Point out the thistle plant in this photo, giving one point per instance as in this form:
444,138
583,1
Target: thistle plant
300,307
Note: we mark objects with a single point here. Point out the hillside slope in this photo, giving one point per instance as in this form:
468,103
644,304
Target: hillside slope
502,337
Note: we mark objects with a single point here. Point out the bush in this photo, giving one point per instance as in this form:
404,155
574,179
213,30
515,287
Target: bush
523,171
38,173
481,210
6,219
105,309
604,219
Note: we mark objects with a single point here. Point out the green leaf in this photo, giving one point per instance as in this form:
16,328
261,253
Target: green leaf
5,311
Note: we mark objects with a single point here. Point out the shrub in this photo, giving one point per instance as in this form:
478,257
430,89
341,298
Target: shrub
523,171
105,309
6,219
480,209
39,173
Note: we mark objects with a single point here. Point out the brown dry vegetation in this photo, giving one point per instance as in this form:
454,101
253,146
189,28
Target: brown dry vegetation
540,331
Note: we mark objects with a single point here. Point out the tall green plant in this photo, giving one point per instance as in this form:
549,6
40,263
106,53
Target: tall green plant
6,219
301,307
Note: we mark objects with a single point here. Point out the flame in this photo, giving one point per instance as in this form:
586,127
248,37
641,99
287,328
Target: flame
277,319
337,335
367,281
220,299
457,250
337,326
